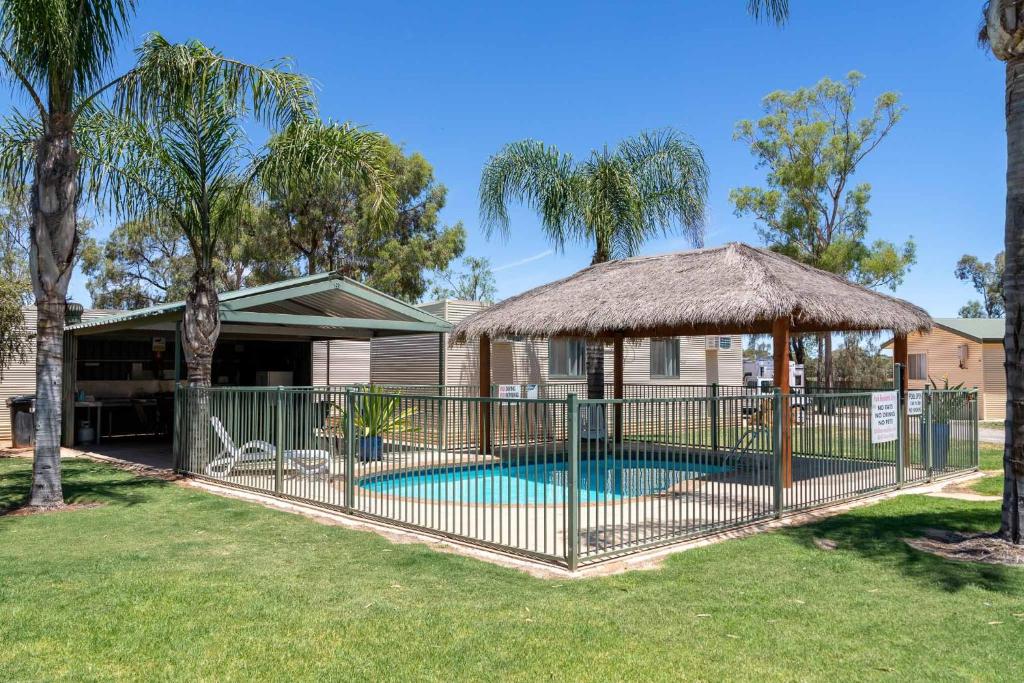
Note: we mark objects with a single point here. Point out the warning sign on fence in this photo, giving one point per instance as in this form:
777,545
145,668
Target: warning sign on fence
915,402
884,417
509,391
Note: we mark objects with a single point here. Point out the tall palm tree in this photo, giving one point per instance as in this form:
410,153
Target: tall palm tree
653,184
187,161
57,55
1003,31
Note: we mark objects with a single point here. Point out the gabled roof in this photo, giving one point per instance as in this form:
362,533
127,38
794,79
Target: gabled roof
978,329
731,289
326,301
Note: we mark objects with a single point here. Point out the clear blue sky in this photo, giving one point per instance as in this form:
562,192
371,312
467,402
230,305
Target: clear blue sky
456,80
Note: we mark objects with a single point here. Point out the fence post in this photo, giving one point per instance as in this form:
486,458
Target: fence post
572,481
279,442
176,428
350,449
974,400
777,399
926,433
714,417
901,419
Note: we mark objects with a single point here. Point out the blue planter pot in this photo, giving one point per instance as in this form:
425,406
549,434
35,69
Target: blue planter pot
370,448
940,445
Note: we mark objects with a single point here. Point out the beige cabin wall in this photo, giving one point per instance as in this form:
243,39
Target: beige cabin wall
993,398
940,347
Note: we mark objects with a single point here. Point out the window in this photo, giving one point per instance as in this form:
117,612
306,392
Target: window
918,363
725,342
664,358
567,358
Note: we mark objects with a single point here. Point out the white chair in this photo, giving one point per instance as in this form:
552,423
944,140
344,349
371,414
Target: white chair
308,462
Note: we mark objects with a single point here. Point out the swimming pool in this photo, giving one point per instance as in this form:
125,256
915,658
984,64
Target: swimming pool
539,482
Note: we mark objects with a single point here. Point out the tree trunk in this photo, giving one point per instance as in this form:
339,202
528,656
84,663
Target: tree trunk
201,328
1013,297
827,361
54,240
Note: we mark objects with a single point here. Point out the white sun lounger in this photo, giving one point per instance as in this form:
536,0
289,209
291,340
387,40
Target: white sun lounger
309,462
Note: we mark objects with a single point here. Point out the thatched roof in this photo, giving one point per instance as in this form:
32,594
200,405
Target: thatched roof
732,289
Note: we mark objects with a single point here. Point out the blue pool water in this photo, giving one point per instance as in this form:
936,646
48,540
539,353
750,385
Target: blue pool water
539,482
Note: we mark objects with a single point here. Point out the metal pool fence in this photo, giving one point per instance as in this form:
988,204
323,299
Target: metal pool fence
559,478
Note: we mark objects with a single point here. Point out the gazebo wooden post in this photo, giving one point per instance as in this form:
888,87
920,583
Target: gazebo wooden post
618,366
900,357
484,373
780,353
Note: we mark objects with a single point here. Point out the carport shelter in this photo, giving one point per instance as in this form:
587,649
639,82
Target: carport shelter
120,371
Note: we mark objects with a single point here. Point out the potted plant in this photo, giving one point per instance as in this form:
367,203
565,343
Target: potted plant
375,413
941,412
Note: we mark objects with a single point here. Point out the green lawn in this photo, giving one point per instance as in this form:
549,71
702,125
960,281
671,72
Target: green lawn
165,582
989,486
990,457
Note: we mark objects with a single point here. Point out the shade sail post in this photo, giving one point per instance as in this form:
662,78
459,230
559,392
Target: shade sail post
484,373
900,356
780,353
618,366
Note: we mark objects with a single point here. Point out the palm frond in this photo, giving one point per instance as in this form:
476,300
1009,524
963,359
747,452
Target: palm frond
776,11
672,179
539,176
58,48
167,75
18,135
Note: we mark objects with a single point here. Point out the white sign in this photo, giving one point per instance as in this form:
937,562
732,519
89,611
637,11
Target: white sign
508,391
884,417
531,391
915,402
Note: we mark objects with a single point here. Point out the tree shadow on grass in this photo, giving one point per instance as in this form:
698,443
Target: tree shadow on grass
82,482
877,534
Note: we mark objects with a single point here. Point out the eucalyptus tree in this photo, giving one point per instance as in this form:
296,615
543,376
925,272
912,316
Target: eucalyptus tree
1002,31
617,199
187,161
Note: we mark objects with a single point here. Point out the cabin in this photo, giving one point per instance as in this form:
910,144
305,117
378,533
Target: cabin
421,359
966,351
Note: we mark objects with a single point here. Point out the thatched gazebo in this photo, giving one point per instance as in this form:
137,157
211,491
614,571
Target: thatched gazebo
732,289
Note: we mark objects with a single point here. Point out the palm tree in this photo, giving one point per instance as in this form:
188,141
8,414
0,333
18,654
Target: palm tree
1003,31
57,54
653,184
187,161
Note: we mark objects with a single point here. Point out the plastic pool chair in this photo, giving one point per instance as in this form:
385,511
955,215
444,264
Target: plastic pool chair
308,462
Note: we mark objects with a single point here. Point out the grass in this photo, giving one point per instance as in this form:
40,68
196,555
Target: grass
989,486
166,582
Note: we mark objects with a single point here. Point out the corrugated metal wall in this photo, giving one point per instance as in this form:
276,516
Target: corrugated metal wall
20,378
349,362
993,396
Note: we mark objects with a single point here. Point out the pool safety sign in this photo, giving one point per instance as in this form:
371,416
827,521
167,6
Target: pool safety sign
915,402
509,391
884,417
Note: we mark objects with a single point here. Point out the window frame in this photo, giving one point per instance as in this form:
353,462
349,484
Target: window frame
911,365
727,342
567,343
668,342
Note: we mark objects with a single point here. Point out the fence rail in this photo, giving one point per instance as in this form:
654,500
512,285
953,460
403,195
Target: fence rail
560,478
